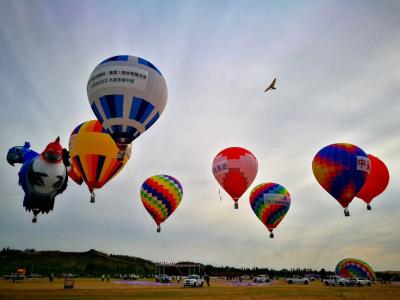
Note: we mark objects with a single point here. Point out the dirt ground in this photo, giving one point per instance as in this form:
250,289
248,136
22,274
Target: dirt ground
85,289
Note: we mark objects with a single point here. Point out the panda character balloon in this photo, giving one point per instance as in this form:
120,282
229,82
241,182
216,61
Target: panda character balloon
42,176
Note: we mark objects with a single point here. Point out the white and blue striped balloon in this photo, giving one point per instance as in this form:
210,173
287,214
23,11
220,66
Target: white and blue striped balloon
127,94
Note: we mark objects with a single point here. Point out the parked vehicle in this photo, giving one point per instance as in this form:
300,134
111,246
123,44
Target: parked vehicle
336,280
360,281
261,279
297,279
313,277
193,281
163,278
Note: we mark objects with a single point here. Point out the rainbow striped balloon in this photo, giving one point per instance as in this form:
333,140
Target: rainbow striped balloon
161,195
341,169
351,268
270,202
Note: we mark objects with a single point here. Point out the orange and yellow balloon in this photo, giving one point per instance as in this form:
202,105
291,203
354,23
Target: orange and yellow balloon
93,156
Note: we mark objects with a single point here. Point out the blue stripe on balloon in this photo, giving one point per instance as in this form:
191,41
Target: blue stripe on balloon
116,58
140,109
130,131
144,110
135,107
113,105
152,121
116,129
146,113
76,130
105,106
96,112
142,61
79,163
100,164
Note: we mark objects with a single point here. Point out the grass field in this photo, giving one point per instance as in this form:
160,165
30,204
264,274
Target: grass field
95,289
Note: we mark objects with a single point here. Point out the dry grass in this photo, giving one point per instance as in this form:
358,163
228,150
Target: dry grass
95,289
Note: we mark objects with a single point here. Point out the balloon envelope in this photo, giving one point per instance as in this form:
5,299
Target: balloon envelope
161,195
270,202
93,155
352,268
341,169
127,94
235,169
376,182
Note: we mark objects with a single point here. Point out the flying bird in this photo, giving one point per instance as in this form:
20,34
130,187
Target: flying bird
271,86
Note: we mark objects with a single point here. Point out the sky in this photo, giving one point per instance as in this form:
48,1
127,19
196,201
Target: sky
337,65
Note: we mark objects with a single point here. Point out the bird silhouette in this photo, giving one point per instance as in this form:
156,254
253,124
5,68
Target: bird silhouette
271,86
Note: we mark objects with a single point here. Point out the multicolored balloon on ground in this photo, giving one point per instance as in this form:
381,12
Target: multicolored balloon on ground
270,202
127,94
161,195
42,176
93,156
235,169
341,169
352,268
376,182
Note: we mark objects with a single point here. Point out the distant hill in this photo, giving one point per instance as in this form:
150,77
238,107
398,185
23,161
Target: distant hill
95,263
91,262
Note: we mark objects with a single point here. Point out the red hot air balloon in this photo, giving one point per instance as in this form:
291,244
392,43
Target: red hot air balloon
235,169
376,182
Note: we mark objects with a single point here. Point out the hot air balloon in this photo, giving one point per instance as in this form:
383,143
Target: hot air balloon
270,202
235,169
352,268
127,94
42,176
341,169
161,195
93,156
376,182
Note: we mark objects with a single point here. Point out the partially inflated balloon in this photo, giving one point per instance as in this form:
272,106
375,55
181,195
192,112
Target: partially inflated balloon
93,156
161,195
270,202
352,268
127,94
235,169
376,182
341,169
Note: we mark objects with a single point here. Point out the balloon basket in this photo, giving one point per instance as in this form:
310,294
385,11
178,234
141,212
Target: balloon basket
34,220
120,155
92,197
121,151
271,235
346,212
368,207
236,206
158,229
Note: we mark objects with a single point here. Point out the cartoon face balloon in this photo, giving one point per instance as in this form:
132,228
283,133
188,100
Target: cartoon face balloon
42,176
341,169
352,268
235,169
376,182
161,195
127,94
270,202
